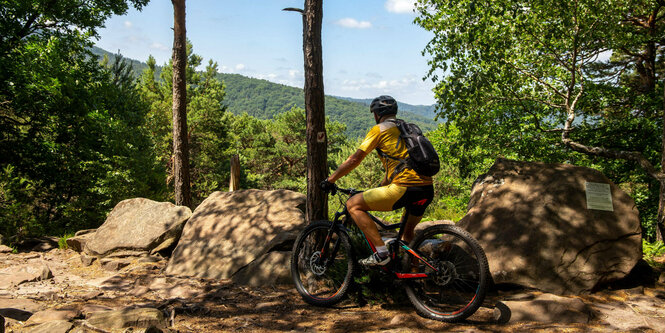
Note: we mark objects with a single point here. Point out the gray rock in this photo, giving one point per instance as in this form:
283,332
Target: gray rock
272,268
140,317
14,276
77,243
138,225
113,265
88,309
229,230
87,260
18,308
5,249
548,308
52,315
533,223
85,232
58,326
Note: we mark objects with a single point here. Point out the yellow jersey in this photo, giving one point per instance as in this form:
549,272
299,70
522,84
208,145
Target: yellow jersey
385,136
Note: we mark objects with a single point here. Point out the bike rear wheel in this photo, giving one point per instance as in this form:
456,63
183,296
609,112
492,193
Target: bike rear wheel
322,267
457,288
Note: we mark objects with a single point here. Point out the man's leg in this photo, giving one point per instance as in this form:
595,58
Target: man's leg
358,209
411,223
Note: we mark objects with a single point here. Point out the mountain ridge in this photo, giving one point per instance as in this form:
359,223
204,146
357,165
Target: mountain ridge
264,99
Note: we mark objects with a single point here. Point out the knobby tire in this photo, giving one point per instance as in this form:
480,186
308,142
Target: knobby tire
322,280
458,290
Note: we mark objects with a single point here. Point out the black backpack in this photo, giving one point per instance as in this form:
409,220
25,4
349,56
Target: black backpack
422,156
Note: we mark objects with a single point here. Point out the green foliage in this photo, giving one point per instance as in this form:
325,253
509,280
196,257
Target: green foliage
264,100
69,144
273,153
525,79
208,123
652,250
62,241
17,195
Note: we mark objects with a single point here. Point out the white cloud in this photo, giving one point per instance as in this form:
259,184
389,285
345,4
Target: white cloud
240,67
353,23
128,24
294,72
159,46
400,6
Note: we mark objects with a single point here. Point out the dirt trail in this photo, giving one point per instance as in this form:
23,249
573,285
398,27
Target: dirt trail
197,305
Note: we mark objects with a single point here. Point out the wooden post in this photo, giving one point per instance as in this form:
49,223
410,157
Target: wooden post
234,183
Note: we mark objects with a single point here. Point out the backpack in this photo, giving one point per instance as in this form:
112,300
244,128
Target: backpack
422,156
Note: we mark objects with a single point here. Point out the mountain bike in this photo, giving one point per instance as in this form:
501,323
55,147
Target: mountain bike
444,270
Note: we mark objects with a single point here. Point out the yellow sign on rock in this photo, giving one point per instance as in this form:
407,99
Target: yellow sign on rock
598,196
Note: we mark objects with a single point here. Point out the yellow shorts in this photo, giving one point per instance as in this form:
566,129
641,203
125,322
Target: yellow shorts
392,197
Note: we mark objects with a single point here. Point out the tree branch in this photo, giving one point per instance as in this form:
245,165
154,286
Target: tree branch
616,154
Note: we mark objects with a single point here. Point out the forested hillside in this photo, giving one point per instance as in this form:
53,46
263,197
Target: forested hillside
427,111
264,99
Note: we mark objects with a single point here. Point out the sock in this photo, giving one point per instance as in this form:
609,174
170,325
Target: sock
382,251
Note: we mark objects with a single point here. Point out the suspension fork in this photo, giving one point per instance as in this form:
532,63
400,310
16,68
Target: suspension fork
333,228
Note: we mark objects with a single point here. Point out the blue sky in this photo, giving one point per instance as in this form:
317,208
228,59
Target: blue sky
370,47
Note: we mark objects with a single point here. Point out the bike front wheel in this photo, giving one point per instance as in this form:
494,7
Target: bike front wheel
322,264
457,274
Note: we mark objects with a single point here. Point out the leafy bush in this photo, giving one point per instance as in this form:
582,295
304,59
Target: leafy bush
652,250
17,219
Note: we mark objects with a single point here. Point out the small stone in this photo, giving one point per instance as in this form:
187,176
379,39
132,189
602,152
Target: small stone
87,260
635,291
89,309
44,247
267,305
141,317
113,265
92,295
399,320
5,249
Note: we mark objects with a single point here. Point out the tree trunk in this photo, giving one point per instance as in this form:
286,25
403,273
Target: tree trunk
660,220
183,195
317,156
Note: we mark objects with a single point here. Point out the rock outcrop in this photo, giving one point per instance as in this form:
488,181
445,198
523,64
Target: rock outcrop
230,230
138,225
533,221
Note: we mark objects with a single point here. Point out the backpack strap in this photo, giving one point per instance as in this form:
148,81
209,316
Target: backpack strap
403,165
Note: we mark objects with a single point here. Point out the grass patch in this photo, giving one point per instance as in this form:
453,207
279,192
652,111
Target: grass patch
62,242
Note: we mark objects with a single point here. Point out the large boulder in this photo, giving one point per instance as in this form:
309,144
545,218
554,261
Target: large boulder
533,221
139,225
229,230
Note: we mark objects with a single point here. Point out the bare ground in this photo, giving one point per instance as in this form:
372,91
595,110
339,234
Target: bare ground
197,305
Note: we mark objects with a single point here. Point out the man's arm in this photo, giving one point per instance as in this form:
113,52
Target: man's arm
351,163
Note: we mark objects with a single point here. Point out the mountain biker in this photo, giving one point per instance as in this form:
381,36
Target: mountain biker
400,187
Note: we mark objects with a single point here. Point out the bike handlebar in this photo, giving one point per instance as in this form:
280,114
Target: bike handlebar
349,191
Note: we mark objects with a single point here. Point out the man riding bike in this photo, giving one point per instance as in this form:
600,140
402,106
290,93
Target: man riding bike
400,187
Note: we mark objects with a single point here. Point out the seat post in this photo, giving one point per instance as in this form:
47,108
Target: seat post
402,223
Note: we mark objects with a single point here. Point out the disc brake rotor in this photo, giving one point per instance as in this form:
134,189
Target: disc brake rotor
314,263
446,273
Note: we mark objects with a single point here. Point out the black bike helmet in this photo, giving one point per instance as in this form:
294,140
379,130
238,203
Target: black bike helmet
383,105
